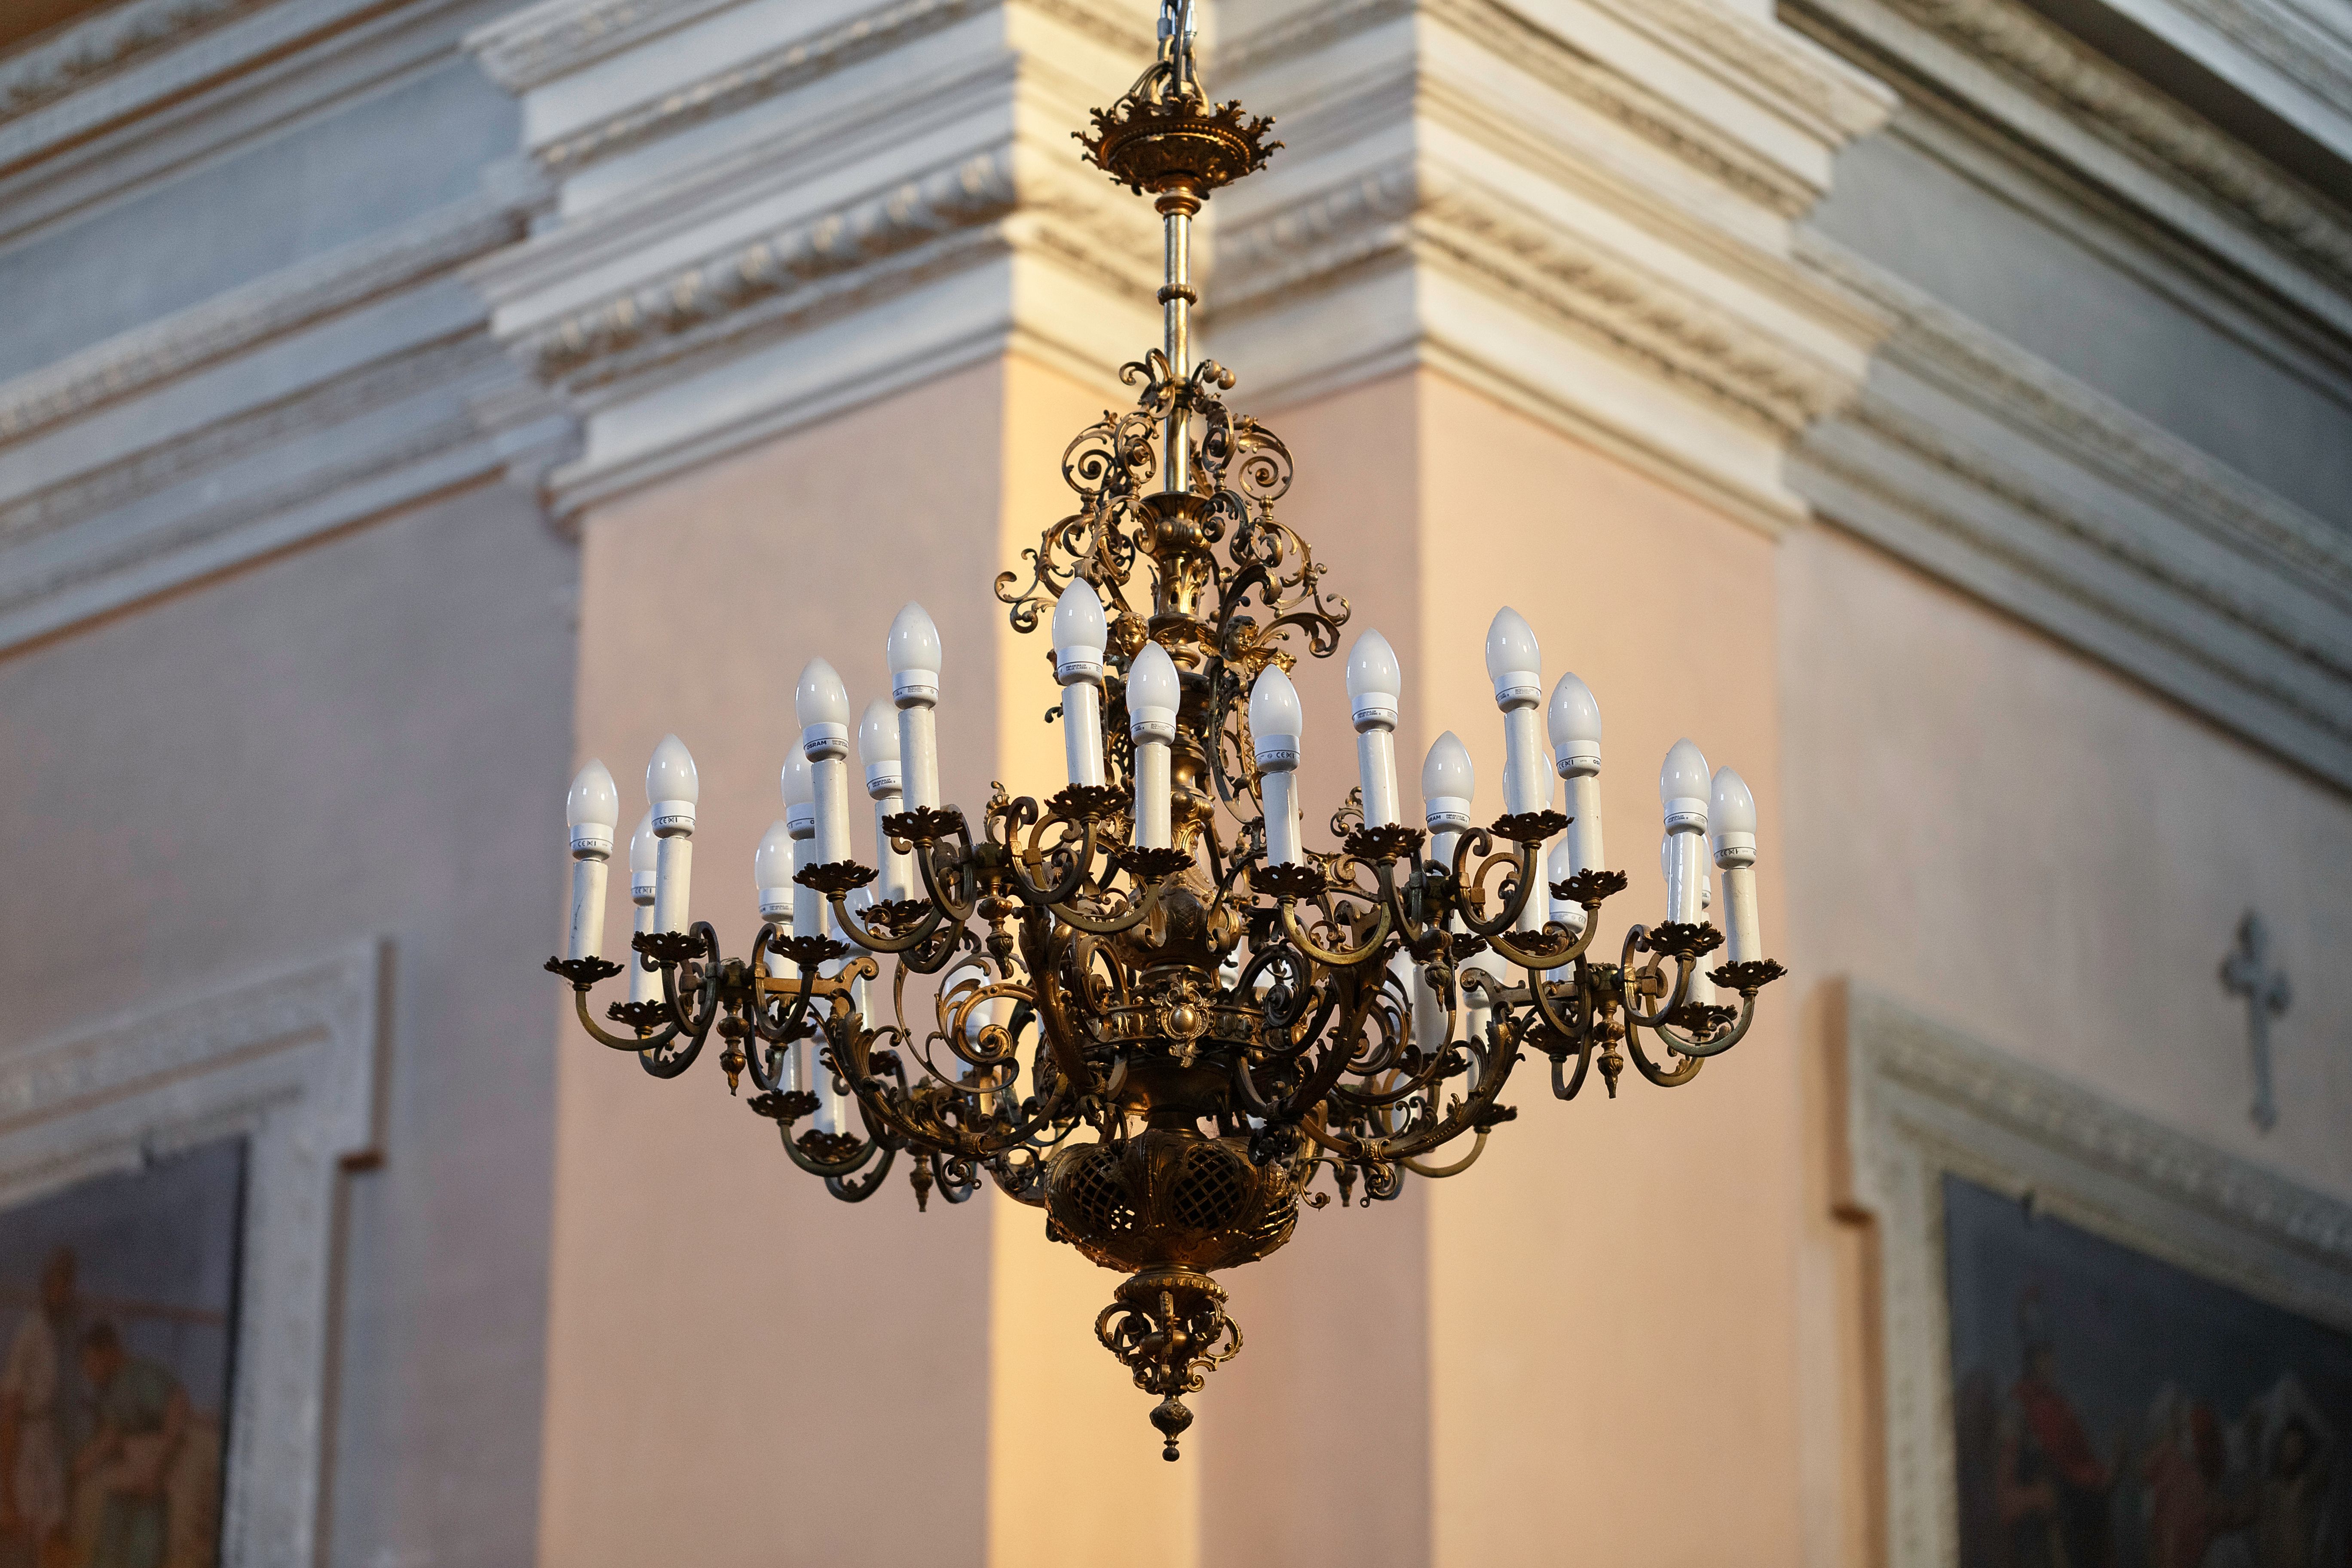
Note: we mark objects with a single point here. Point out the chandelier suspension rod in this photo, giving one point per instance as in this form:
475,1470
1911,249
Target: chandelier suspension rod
1176,294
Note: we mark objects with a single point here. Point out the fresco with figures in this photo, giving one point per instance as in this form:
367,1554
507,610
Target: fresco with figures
2113,1411
118,1301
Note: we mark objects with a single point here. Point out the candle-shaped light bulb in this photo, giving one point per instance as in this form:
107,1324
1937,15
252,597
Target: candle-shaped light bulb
877,748
821,704
1732,817
1515,665
913,649
1375,690
672,787
1574,721
1683,789
1276,721
1080,633
591,812
771,874
1448,784
645,877
1153,695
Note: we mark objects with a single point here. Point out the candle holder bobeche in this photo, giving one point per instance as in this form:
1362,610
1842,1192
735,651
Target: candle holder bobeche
1147,1006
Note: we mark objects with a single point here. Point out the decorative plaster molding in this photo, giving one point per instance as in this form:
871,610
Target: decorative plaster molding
2319,58
539,43
1991,468
694,306
1923,1101
1980,363
2043,85
268,307
1408,210
288,1062
113,39
1561,65
777,70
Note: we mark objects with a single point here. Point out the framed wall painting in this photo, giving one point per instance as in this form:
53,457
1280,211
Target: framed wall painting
168,1192
2105,1343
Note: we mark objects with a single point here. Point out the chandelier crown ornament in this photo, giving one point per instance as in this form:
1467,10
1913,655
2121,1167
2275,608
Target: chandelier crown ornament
1152,1004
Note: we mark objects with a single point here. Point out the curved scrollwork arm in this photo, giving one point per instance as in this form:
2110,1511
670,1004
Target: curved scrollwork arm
1333,958
1125,919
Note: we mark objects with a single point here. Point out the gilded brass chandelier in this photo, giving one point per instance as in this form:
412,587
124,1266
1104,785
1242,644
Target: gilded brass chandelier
1147,1006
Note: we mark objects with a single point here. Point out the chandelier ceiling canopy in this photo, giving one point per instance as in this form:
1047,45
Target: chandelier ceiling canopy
1148,1005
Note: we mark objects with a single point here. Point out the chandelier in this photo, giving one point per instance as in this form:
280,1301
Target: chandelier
1148,1006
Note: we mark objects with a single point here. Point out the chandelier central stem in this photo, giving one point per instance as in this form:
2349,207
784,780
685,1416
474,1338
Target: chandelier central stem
1177,299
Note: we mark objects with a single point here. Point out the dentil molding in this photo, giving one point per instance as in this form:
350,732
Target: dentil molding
288,1062
1923,1101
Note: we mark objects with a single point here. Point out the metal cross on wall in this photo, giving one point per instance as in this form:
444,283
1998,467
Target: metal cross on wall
2246,973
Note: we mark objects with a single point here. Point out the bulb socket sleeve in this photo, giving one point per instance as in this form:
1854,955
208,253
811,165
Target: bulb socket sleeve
1153,724
1447,812
1686,814
1279,753
591,841
884,779
1072,665
776,904
1733,850
1376,711
1518,689
673,818
641,887
916,689
800,821
825,741
1579,764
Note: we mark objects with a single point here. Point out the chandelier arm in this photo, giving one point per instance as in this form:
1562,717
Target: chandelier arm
1583,1065
866,937
1712,1048
957,912
1077,877
1637,941
1523,887
857,1192
1039,951
1662,1077
1337,1055
1126,919
1455,1169
633,1044
658,1063
1393,900
1468,1113
1544,962
1540,997
1330,957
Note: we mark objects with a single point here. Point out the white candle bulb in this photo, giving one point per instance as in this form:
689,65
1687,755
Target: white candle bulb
644,874
1153,695
821,704
914,654
1683,788
1515,665
877,748
591,812
1574,720
771,874
1448,784
1080,634
672,787
1732,815
1375,688
1275,720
